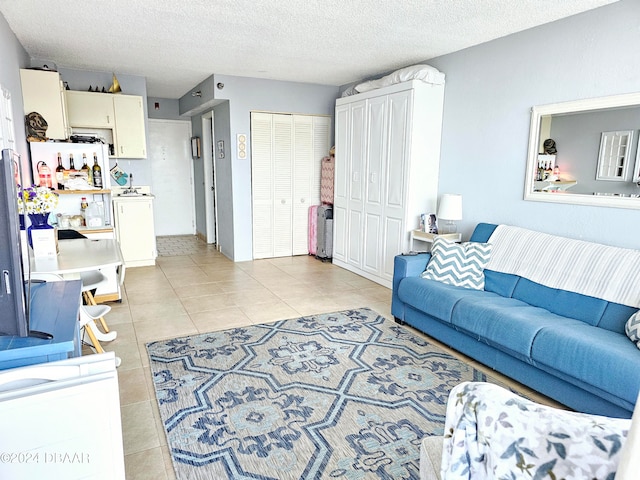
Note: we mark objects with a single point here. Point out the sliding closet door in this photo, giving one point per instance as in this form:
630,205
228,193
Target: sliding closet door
262,184
302,181
286,156
282,185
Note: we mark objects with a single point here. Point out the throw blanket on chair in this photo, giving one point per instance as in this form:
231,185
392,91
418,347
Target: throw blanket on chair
593,269
492,433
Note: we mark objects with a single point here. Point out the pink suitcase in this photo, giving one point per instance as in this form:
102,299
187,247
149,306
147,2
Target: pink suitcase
313,229
326,180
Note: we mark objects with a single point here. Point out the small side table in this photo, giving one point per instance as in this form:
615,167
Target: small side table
426,237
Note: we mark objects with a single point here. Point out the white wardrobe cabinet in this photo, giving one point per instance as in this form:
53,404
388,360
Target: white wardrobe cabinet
387,163
286,151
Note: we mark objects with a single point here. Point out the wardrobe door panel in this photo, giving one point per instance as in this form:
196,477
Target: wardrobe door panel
341,182
374,181
399,148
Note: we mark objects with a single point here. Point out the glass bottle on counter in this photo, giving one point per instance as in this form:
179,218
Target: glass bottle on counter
85,168
60,173
72,167
97,172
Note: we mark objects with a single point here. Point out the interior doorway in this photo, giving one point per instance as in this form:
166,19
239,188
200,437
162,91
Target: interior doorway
210,191
172,176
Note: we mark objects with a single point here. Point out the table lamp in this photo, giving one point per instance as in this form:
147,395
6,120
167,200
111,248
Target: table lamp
450,210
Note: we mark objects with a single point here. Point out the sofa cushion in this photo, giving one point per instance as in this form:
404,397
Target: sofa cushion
460,265
508,324
632,328
434,297
501,283
597,357
615,317
568,304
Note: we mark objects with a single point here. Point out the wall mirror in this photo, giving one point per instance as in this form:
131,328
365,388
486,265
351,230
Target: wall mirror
595,159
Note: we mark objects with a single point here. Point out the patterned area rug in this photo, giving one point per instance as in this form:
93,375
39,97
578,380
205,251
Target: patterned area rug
346,395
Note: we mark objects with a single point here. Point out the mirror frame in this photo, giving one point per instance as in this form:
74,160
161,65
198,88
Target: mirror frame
539,111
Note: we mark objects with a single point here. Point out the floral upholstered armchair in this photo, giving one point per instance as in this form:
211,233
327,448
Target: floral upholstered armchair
492,433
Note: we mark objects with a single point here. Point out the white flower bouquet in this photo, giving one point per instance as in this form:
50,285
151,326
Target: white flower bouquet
36,199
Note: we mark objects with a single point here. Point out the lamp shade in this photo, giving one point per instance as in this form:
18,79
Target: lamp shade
450,207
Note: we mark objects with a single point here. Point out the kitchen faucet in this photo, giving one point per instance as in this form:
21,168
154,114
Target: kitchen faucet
130,190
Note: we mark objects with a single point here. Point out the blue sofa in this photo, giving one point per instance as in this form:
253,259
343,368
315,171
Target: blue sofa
568,346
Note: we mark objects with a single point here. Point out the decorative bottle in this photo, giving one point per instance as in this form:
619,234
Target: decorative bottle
97,172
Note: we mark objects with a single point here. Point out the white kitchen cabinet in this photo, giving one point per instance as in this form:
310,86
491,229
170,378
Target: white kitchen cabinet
130,139
135,231
387,164
90,110
121,115
286,153
43,92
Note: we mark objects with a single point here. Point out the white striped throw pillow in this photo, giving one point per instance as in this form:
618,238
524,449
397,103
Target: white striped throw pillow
461,265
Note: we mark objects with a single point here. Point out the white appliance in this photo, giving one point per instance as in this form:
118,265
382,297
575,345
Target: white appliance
61,420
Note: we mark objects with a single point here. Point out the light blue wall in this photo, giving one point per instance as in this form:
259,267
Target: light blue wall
222,122
12,58
234,177
167,108
488,98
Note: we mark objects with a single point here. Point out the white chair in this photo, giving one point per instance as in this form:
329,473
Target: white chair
90,281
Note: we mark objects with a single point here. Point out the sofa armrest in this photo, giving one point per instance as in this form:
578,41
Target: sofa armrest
405,266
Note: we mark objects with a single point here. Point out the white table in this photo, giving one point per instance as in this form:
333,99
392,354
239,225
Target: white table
81,255
426,237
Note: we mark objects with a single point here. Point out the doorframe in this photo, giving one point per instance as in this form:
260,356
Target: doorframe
210,181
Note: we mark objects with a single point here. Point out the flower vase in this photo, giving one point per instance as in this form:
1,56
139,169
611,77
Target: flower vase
39,221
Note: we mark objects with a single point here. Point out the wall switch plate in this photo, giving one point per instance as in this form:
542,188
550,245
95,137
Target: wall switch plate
242,145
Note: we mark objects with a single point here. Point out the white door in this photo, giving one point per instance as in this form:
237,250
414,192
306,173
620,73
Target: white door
172,173
395,231
357,173
376,162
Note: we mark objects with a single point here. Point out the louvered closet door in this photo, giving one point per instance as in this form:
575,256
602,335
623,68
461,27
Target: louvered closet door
302,181
311,138
282,185
286,154
262,184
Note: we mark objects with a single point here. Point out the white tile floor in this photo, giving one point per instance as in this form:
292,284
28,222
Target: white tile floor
195,289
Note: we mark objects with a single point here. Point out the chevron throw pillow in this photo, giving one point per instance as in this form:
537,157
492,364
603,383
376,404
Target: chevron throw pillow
461,265
632,328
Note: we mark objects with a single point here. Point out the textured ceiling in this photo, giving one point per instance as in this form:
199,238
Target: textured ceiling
177,44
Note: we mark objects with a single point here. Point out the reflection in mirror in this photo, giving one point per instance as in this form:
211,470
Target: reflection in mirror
595,159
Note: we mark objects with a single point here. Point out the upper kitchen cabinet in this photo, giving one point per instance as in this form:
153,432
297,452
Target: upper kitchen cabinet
90,110
43,92
130,141
121,115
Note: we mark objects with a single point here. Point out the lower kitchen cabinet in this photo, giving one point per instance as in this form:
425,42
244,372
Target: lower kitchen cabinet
135,231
